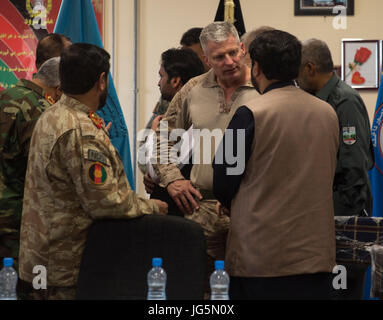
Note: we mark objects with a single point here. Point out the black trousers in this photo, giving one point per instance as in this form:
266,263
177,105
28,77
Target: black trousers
356,275
299,287
163,195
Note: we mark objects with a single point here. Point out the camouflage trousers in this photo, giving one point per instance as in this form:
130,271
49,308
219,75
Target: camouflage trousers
55,293
9,248
51,293
215,229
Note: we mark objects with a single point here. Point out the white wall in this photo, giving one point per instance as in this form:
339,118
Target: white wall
161,24
119,41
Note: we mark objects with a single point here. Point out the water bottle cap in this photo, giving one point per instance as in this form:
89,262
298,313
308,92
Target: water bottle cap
157,262
8,262
219,265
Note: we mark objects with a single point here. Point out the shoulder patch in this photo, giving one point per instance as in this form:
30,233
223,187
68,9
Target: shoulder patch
349,135
97,174
97,157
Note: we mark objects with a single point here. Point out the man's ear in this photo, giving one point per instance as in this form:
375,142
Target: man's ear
243,49
102,82
206,60
310,69
58,93
255,70
175,82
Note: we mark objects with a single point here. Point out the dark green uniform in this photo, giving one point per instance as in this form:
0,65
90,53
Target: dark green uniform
352,190
20,107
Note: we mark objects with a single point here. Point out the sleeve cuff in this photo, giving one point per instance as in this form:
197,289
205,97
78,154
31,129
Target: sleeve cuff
156,210
170,176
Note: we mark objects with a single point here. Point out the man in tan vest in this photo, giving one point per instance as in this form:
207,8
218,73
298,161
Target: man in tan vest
281,242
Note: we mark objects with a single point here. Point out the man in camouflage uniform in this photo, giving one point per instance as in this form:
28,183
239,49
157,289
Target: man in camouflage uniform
178,66
208,102
20,107
74,176
23,104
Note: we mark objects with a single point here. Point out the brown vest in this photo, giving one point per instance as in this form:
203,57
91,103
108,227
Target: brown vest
282,218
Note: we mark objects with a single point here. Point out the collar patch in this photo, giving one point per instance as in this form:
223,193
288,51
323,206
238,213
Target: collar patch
96,119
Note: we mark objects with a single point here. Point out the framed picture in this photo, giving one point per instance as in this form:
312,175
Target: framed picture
322,7
361,63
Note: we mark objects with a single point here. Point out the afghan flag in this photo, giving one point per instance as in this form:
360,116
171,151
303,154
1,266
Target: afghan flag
376,173
77,20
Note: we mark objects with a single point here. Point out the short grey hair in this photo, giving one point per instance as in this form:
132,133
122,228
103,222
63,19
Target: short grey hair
217,32
317,52
49,72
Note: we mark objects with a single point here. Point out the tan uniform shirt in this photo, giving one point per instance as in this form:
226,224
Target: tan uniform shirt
201,103
74,176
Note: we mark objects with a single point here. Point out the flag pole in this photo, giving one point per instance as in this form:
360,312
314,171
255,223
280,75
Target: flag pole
229,11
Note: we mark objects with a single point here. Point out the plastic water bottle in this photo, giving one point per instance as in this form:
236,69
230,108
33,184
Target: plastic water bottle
156,281
219,282
8,281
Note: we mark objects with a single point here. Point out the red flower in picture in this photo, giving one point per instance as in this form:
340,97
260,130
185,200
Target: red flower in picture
362,55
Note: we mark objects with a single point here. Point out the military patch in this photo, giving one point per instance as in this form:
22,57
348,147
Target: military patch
97,174
97,157
96,119
49,99
349,135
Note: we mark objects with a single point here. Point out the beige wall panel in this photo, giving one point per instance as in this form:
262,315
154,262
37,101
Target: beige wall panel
162,23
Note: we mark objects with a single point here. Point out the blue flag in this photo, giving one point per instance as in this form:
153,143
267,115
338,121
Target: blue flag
77,20
376,173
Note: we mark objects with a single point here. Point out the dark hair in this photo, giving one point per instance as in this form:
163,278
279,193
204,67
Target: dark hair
191,37
49,47
81,66
278,54
183,63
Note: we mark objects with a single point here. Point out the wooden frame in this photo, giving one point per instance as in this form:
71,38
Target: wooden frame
322,7
361,63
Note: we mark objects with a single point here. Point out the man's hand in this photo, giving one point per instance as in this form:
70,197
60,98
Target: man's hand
149,184
107,128
163,206
183,193
221,210
156,122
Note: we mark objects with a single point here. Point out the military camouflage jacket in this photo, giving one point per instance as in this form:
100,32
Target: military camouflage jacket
74,176
20,107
